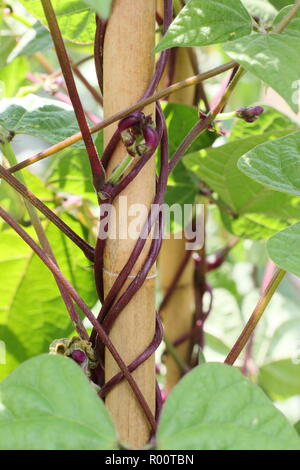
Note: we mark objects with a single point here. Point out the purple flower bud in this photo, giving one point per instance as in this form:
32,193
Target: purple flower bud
131,120
79,356
151,138
249,114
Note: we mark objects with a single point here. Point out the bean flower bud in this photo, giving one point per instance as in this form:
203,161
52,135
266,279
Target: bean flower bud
151,139
249,114
79,356
131,120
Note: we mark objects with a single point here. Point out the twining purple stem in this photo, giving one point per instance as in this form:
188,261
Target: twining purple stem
81,304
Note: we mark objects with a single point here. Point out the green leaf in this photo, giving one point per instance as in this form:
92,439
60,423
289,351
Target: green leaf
71,173
218,168
270,120
271,57
280,3
35,39
214,407
180,118
8,42
280,379
201,23
13,76
32,313
48,404
293,28
40,117
284,249
76,20
297,427
101,8
275,164
260,8
253,226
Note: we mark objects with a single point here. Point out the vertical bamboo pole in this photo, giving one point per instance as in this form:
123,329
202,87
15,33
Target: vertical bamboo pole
128,67
179,311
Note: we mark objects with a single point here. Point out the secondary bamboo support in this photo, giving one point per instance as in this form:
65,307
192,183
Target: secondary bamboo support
179,311
128,67
178,314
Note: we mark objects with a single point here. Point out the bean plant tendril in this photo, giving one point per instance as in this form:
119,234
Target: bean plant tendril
143,137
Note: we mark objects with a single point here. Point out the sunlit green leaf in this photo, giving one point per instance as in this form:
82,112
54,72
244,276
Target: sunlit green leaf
218,168
32,313
13,76
201,23
275,164
75,18
271,57
49,119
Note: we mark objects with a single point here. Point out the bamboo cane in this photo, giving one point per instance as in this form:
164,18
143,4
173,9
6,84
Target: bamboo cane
128,66
178,314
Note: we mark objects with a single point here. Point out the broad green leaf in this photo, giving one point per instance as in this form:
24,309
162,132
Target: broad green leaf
201,23
280,379
102,8
214,407
47,403
13,76
32,313
284,249
180,119
297,427
70,173
49,119
13,202
253,226
271,57
280,3
218,168
35,39
75,18
293,27
261,9
275,164
270,120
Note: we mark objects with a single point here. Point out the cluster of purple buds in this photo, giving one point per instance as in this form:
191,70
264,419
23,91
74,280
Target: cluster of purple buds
249,114
138,135
79,356
212,127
